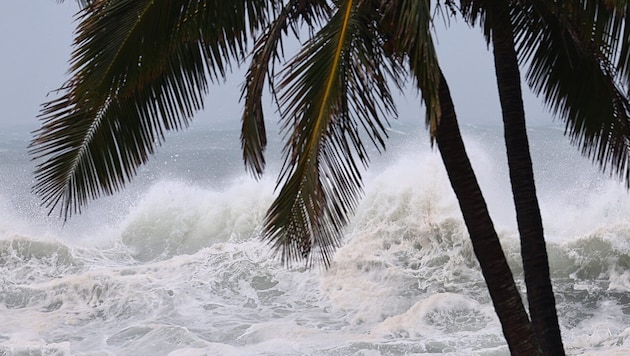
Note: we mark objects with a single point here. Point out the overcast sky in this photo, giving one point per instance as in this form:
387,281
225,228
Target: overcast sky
35,45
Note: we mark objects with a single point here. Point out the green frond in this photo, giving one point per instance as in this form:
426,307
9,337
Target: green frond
333,88
139,68
265,55
410,24
571,66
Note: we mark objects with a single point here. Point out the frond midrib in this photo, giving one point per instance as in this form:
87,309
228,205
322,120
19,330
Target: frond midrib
96,123
313,138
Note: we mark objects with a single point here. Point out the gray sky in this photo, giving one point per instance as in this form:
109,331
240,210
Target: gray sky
35,39
35,42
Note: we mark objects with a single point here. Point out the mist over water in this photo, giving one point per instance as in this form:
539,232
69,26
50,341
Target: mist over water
173,264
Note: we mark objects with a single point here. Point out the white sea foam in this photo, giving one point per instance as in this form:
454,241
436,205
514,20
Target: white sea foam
175,266
176,217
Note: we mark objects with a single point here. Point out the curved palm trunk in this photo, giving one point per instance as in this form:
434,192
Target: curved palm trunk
505,296
540,295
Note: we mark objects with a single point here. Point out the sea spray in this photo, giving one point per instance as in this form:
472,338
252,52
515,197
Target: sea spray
176,217
174,263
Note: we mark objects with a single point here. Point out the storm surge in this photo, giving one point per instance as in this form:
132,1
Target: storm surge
174,265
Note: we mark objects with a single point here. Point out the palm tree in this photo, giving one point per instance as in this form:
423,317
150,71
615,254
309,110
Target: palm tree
141,68
393,21
508,305
563,42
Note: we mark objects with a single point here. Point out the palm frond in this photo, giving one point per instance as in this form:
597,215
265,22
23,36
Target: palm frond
265,54
571,64
410,24
611,17
474,12
139,68
334,87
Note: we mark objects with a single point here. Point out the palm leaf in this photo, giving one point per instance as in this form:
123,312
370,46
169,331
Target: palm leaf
139,69
334,87
410,24
265,54
571,64
612,17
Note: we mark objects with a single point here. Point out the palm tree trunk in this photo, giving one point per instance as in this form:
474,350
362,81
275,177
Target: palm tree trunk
505,296
540,295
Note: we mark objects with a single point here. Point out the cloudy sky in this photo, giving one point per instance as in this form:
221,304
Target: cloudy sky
36,37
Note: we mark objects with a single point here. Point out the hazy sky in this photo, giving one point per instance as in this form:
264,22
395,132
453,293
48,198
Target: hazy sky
35,45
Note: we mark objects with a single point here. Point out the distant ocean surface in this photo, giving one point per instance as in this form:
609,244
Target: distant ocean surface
173,265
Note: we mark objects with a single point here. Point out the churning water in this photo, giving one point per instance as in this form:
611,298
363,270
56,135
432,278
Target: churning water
173,265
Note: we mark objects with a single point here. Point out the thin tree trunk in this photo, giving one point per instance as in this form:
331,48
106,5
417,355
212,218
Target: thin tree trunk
505,296
540,295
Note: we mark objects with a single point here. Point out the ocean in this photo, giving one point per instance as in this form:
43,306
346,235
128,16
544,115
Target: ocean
173,265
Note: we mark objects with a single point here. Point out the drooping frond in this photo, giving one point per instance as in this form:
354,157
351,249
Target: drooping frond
474,13
266,53
571,63
612,19
410,25
139,68
333,88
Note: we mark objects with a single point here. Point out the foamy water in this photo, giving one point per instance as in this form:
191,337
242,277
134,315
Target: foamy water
173,265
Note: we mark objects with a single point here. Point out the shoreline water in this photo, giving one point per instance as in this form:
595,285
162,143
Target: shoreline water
172,265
